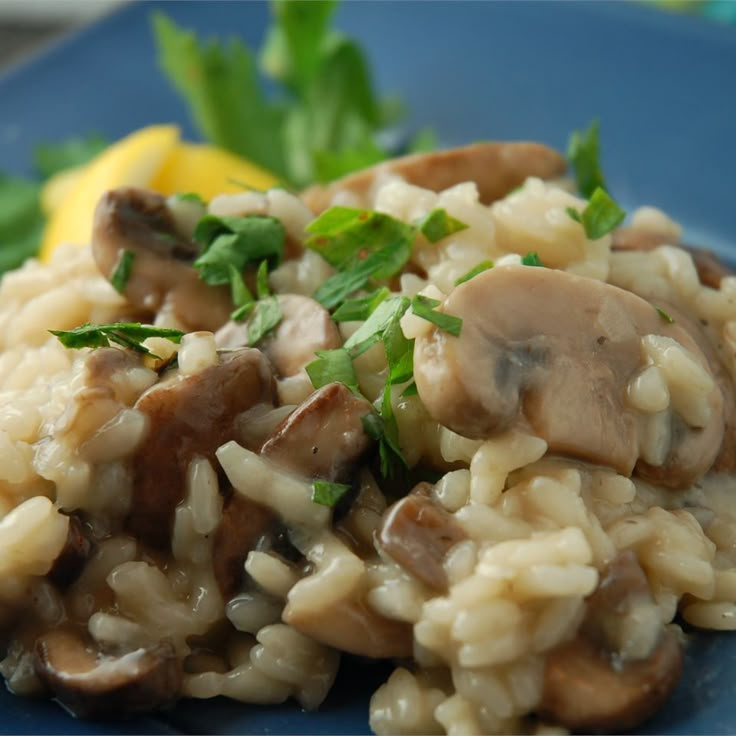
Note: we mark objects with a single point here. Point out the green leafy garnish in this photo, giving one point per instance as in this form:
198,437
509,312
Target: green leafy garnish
482,266
333,366
239,291
344,236
328,494
121,272
352,310
374,328
583,152
189,197
21,221
666,317
236,241
126,334
531,259
379,265
50,158
601,215
264,317
438,224
320,124
425,307
263,290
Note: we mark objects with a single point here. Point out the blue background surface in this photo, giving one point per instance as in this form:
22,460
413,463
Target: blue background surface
662,86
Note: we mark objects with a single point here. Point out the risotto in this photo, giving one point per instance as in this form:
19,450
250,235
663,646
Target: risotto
426,414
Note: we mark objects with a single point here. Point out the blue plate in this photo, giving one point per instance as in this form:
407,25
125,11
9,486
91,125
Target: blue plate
662,86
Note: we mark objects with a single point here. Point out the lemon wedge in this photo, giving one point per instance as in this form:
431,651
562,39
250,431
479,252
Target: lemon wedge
152,157
208,171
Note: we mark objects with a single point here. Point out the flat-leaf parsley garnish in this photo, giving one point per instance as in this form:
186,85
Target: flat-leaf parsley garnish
326,493
583,152
126,334
531,259
123,269
425,307
601,215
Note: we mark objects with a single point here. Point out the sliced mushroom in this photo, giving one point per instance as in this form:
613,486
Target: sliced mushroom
190,416
305,327
75,553
710,268
417,533
554,353
244,525
350,625
92,685
323,437
590,684
495,167
139,221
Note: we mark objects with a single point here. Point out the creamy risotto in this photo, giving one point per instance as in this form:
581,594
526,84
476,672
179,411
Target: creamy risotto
426,414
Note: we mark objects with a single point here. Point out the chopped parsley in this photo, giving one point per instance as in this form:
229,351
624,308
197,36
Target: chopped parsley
123,269
126,334
328,494
239,291
601,215
531,259
583,152
264,317
237,242
333,366
263,290
189,197
374,328
352,310
482,266
425,307
666,317
438,225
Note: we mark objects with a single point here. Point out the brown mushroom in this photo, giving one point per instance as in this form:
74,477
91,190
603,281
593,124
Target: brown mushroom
590,684
305,327
417,533
90,684
244,525
350,625
554,353
323,437
76,551
496,167
710,268
187,417
140,222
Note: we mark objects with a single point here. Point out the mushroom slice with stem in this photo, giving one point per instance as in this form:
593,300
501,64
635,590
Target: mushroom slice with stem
139,221
323,437
190,416
90,684
495,167
623,664
417,533
553,353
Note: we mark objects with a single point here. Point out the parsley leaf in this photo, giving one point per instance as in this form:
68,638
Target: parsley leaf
601,215
236,241
352,310
531,259
439,224
344,236
21,221
127,334
374,328
381,264
50,158
482,266
121,272
332,366
424,307
328,494
263,290
265,316
583,152
666,317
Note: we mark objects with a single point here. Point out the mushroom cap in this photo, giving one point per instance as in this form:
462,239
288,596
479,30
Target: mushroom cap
187,417
92,685
495,167
553,353
139,221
